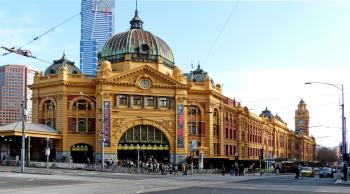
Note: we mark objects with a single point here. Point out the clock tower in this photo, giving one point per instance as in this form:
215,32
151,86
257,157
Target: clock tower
302,118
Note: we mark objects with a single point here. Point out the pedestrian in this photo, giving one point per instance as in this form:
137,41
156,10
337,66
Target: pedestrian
345,172
176,170
278,169
223,170
297,171
232,170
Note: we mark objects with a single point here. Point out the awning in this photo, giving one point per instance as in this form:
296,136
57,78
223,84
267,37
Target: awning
31,130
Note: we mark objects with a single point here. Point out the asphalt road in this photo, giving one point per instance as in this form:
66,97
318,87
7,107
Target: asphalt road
76,181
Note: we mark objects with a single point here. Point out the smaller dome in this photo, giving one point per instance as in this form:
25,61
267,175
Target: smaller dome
197,75
266,113
63,62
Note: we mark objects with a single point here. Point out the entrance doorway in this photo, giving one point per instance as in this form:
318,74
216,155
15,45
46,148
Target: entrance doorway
82,153
147,141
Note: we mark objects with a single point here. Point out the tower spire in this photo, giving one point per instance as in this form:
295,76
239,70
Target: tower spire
136,22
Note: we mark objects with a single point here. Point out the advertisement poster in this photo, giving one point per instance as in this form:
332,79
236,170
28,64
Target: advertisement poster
107,123
180,126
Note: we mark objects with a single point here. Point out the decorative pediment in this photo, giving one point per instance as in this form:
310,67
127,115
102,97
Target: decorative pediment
145,77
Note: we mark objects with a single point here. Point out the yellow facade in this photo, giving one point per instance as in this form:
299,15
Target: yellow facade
223,127
146,96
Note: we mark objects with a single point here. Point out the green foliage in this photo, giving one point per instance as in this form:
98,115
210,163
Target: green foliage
326,155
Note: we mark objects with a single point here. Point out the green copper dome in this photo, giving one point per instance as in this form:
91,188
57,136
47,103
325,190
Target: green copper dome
63,62
138,45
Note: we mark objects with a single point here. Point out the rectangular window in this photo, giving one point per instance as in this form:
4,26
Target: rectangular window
74,125
215,130
163,102
230,133
137,133
150,101
123,100
82,125
226,150
144,133
215,148
137,100
91,125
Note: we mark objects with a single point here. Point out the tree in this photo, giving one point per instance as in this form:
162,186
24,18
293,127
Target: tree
326,155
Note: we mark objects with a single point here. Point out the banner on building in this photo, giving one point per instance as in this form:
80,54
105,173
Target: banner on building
106,123
180,126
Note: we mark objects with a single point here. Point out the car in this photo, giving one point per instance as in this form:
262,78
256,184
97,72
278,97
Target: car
326,172
307,171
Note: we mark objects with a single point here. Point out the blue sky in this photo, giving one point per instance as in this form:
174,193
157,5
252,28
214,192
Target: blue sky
263,56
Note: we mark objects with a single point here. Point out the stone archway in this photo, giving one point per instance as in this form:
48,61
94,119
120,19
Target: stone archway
167,128
145,142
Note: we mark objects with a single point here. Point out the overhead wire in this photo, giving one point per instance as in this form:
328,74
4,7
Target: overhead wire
53,28
221,30
38,37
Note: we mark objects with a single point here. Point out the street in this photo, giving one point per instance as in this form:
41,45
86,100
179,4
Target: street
76,181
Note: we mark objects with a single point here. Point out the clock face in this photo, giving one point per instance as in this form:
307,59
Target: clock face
301,122
144,83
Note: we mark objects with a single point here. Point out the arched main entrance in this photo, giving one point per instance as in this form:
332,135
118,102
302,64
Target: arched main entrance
82,153
147,141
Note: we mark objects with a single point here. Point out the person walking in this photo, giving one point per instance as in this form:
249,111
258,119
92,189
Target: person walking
345,172
297,171
223,170
232,170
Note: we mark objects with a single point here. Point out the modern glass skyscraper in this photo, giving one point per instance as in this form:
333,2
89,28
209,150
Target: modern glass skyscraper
97,18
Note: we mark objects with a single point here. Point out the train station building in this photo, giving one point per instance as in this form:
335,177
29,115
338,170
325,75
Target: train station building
140,101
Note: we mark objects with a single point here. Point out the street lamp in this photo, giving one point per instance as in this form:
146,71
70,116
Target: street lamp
102,133
340,87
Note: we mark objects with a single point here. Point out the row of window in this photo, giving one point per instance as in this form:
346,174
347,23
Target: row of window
230,134
230,150
136,100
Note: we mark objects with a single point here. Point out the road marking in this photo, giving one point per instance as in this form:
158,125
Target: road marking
30,179
141,187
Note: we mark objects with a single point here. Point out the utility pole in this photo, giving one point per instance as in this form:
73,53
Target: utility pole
23,137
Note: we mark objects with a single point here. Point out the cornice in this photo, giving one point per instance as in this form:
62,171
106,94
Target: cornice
61,83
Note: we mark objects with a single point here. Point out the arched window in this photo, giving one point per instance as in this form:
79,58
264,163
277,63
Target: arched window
216,123
49,122
194,121
82,119
47,116
81,105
